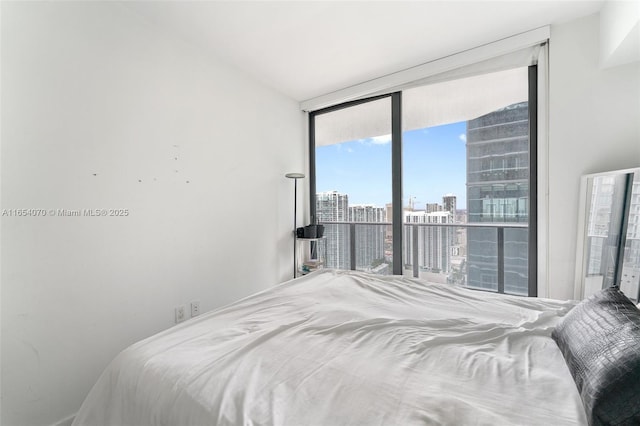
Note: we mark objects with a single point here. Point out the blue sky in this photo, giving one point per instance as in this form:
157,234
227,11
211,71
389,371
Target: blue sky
434,165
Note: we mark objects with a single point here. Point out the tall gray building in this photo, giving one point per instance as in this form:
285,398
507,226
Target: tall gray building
498,192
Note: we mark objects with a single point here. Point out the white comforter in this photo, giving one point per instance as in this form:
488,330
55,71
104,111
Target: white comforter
344,348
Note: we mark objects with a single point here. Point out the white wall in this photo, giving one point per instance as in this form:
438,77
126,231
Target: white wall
594,126
101,109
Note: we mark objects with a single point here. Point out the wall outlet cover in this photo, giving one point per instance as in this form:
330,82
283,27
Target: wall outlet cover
195,308
180,314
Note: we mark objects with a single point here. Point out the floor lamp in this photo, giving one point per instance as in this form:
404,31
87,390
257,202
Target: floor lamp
295,177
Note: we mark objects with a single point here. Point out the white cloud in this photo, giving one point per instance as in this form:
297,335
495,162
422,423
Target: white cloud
380,140
463,137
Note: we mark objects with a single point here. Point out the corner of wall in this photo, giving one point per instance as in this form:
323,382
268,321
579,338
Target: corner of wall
593,127
619,33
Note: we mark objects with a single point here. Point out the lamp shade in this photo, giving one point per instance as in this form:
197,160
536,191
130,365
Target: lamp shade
295,175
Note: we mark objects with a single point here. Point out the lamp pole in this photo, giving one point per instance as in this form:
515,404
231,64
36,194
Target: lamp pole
295,177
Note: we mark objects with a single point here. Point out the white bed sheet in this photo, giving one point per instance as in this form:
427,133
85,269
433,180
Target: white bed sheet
346,348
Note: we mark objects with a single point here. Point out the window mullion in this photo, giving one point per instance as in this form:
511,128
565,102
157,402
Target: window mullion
533,182
396,170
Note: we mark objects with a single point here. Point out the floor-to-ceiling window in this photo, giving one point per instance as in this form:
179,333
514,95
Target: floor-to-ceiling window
439,184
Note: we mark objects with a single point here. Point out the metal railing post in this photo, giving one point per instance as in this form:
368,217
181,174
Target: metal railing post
500,260
414,251
352,246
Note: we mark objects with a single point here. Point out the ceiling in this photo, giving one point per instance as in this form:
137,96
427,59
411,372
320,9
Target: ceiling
306,49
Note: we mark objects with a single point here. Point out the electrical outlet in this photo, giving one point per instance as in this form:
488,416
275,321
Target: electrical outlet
195,308
180,314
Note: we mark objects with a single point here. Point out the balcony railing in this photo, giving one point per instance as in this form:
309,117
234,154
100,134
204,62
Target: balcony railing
487,256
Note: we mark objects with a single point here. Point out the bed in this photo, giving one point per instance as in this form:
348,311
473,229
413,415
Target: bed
349,348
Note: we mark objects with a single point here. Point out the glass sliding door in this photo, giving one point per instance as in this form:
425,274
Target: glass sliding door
353,184
466,181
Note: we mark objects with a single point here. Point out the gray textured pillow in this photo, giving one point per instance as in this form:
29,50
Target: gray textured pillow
600,341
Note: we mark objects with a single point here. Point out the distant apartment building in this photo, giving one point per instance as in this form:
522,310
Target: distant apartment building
449,203
333,206
370,239
433,207
498,192
367,213
434,242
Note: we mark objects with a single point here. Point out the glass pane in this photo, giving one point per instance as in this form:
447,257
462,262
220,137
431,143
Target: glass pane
498,187
434,185
466,160
371,240
353,184
432,263
482,258
337,245
516,265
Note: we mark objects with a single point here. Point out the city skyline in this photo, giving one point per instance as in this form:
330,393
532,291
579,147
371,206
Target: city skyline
447,202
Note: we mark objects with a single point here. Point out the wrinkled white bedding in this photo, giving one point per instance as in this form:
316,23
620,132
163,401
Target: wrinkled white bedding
346,348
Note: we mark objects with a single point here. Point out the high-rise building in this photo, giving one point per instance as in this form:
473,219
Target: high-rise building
433,207
370,239
434,242
367,213
333,206
449,204
498,192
